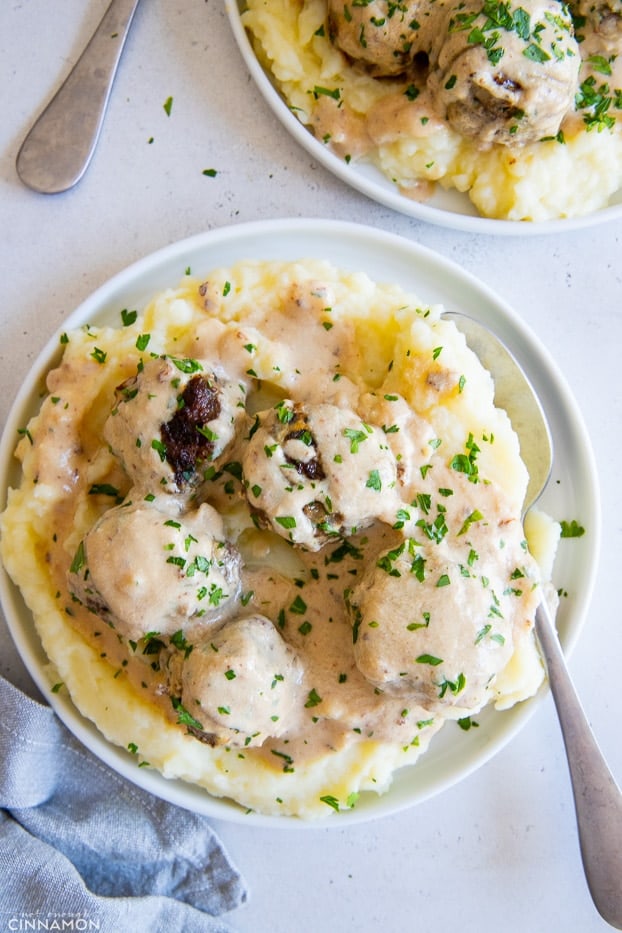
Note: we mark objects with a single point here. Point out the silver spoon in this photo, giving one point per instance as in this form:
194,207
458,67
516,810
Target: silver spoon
597,798
57,150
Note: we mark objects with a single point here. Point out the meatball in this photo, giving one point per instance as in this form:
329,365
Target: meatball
429,628
317,472
144,569
170,419
241,686
603,16
508,79
382,35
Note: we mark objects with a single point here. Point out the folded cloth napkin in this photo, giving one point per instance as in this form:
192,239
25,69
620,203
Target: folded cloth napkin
81,848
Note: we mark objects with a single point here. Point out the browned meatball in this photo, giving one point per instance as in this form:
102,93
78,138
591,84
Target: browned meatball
143,568
172,418
317,472
496,73
436,622
383,35
241,685
509,81
603,16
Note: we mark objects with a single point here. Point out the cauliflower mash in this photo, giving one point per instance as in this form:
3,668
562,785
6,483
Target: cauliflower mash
517,104
270,533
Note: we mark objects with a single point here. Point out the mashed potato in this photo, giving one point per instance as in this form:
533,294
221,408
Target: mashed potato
270,534
524,145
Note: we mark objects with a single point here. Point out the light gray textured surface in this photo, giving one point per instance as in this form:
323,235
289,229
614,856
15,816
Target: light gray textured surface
499,851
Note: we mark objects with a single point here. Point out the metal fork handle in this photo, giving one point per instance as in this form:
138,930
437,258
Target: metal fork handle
597,798
57,150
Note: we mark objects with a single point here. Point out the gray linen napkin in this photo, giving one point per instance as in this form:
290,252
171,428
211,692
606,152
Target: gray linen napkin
85,849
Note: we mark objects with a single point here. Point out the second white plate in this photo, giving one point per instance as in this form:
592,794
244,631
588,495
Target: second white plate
445,208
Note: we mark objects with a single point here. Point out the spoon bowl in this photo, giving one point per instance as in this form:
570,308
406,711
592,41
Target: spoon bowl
597,798
515,394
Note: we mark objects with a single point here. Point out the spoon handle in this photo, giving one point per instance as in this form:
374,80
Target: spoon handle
597,798
59,147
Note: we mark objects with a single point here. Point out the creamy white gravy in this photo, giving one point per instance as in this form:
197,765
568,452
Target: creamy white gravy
357,658
495,73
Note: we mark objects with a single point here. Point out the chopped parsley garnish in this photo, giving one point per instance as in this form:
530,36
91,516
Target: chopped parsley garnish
106,489
79,559
475,516
356,438
285,521
330,801
313,698
287,759
178,639
186,365
299,606
318,91
374,481
467,723
99,355
466,463
454,686
596,101
571,529
283,412
184,718
429,659
160,448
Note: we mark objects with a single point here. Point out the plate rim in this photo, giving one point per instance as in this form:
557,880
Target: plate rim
177,791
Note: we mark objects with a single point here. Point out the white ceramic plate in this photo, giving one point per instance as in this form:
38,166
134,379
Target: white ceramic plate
445,208
572,493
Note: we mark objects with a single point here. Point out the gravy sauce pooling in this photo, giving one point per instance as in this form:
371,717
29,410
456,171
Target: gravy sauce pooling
281,515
